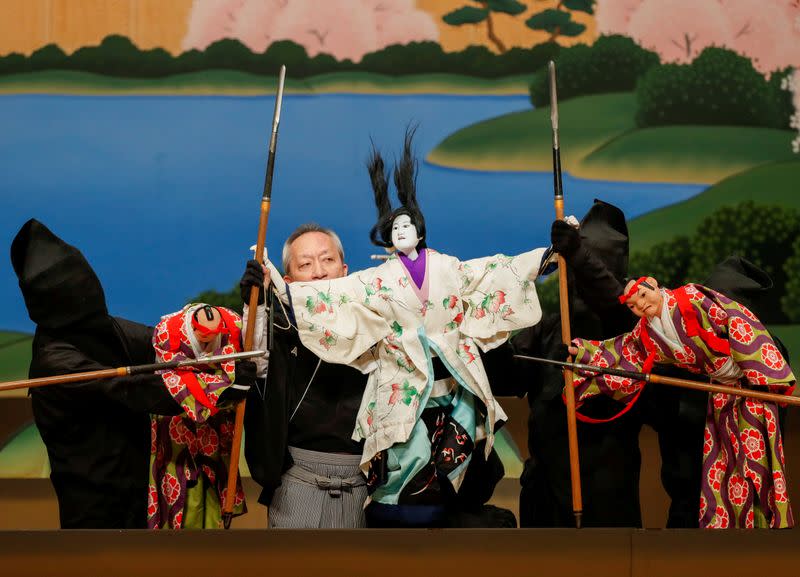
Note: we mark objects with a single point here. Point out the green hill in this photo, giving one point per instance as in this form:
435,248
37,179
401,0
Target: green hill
15,357
599,140
773,183
523,140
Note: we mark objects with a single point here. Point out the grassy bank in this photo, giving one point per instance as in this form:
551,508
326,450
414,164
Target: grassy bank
15,357
599,140
774,183
522,140
234,83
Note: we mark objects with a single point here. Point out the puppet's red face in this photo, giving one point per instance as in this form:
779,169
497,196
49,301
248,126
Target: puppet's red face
647,300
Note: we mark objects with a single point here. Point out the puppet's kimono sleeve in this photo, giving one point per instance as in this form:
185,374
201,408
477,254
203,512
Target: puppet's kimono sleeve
196,389
623,352
339,319
751,346
500,295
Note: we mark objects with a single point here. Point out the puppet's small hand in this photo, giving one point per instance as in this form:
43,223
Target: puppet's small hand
565,238
254,276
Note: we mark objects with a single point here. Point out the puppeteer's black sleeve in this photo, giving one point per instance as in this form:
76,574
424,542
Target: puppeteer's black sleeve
146,393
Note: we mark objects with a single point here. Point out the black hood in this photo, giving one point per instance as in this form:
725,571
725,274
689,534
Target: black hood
605,233
741,280
58,284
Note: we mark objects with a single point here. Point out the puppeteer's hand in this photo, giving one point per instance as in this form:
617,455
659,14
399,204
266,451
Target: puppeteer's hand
245,377
563,352
565,238
255,275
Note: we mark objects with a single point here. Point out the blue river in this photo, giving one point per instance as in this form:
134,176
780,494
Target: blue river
162,194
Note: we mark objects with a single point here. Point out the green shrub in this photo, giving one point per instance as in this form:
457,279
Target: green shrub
612,64
719,87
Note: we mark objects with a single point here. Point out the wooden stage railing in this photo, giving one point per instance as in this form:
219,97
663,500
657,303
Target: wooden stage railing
407,553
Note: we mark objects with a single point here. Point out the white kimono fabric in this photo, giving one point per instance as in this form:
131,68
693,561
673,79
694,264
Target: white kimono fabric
374,320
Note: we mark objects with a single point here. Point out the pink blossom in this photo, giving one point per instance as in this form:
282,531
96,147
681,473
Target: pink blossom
342,28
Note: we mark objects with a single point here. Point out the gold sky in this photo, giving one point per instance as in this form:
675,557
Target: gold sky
26,25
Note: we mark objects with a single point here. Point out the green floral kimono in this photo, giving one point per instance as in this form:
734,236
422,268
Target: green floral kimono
379,321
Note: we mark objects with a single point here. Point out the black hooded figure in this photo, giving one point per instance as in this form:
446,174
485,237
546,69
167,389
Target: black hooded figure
97,433
597,259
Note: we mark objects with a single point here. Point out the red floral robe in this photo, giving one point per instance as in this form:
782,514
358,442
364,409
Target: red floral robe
744,483
189,453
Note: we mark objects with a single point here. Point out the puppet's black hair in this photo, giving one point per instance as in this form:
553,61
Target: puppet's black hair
405,181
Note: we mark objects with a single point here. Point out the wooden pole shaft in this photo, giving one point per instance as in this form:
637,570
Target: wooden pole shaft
238,427
569,390
725,389
63,379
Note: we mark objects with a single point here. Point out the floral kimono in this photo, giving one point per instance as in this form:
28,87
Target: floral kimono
190,452
427,401
743,484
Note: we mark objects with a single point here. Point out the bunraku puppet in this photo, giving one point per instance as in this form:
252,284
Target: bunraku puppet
190,452
696,328
415,324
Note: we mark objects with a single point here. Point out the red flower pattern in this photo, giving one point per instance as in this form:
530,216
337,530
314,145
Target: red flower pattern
177,520
779,486
754,477
748,313
208,441
152,502
624,385
719,400
178,431
753,443
741,331
749,521
715,474
703,506
708,443
754,407
170,488
738,490
451,302
756,377
631,354
771,357
716,314
720,519
685,357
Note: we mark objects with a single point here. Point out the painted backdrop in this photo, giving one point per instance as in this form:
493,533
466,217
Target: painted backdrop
137,131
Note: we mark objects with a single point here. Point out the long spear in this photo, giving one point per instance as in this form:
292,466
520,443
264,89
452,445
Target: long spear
572,426
672,381
266,199
125,371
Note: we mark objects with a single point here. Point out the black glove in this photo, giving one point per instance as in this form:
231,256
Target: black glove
566,240
245,375
253,276
244,378
561,352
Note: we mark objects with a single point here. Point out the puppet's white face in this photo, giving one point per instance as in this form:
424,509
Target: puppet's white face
404,234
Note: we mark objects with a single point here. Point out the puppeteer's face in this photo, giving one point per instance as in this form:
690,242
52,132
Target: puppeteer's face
314,256
404,234
647,302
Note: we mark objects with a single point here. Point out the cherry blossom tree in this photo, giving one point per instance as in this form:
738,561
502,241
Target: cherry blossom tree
767,31
342,28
